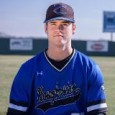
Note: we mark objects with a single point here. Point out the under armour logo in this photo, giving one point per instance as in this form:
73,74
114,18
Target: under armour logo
40,73
60,10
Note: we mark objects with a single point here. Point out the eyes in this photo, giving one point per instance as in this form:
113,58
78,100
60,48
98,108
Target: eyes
61,25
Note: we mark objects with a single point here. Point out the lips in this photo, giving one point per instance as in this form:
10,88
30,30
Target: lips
58,35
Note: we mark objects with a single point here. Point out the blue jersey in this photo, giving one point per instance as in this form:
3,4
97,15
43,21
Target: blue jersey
39,88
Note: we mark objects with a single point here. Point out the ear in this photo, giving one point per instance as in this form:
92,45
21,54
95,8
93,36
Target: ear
74,28
45,28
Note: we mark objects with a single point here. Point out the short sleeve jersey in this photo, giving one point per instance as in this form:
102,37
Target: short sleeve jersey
39,88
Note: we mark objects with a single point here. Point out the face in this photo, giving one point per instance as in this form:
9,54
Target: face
59,32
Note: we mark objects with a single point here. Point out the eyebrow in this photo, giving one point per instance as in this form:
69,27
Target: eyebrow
63,21
66,21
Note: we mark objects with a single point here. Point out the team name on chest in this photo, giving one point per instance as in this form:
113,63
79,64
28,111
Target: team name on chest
57,93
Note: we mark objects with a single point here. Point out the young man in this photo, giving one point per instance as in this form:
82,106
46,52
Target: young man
60,80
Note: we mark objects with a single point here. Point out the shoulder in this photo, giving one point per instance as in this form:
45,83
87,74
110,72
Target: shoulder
88,65
84,59
32,62
91,69
28,68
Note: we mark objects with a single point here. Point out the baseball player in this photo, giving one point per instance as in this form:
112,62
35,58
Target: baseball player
60,80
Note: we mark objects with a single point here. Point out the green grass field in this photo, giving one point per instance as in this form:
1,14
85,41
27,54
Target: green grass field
10,64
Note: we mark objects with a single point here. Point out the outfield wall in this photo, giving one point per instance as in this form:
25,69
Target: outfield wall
34,46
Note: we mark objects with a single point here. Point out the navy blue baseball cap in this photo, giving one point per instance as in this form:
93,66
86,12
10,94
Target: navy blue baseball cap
60,11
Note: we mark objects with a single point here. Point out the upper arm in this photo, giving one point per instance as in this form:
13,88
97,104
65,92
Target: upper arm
20,92
96,99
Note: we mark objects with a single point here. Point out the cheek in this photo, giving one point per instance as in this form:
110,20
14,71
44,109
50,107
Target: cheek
47,30
69,32
68,35
49,33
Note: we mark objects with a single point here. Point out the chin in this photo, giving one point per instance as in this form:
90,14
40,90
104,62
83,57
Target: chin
63,41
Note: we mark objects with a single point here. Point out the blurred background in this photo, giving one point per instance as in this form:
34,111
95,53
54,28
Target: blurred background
24,18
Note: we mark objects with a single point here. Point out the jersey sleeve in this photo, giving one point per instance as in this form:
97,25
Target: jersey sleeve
96,99
20,91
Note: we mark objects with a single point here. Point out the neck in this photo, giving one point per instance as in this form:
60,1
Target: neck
59,53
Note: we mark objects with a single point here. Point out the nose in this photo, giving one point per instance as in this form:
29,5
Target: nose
60,27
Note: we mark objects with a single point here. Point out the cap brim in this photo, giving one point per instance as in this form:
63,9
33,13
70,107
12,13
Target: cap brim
60,18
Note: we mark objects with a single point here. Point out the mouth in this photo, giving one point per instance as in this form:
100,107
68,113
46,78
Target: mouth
58,35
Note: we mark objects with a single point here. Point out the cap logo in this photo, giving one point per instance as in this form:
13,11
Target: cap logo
60,10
